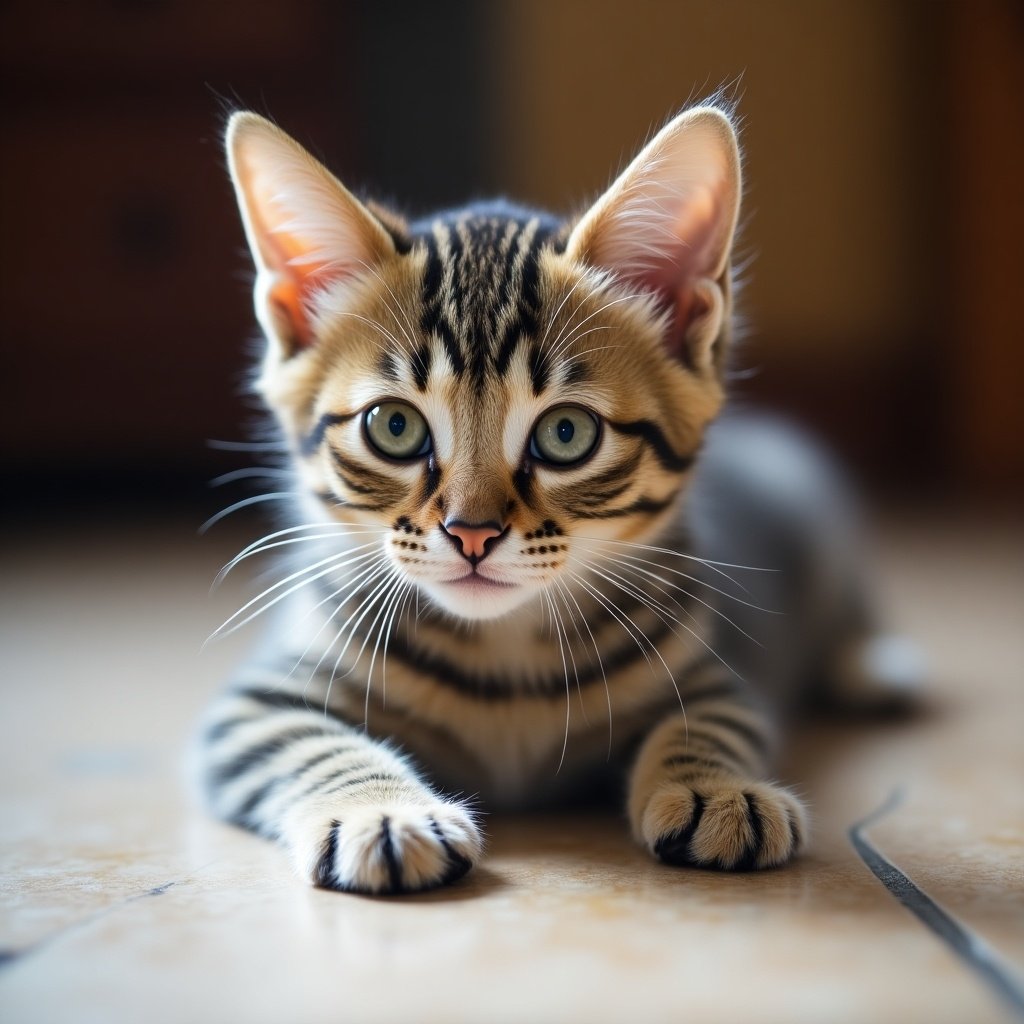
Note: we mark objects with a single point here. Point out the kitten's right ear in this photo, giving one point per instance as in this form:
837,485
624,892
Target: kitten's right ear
305,229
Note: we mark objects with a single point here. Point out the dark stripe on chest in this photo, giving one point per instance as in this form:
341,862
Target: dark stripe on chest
486,687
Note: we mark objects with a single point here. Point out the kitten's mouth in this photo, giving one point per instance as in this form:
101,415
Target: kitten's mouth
474,580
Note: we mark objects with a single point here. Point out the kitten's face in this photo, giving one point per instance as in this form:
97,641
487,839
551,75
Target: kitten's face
493,482
499,401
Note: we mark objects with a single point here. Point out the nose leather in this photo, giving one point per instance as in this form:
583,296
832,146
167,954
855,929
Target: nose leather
472,539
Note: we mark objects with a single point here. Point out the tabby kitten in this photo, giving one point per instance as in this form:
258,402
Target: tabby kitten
494,418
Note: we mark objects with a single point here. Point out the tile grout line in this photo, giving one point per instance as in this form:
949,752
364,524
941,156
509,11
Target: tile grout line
976,954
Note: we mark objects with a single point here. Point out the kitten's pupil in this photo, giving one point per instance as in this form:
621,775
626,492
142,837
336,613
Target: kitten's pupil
565,431
397,424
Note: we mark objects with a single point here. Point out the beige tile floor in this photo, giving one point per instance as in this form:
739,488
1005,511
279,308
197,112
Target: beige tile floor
120,902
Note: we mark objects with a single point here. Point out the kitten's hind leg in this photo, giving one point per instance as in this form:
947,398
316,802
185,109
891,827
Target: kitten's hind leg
353,814
697,794
875,673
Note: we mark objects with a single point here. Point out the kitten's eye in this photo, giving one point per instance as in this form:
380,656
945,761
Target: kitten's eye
564,435
397,430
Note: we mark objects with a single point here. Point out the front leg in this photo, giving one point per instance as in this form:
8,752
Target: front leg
697,794
353,814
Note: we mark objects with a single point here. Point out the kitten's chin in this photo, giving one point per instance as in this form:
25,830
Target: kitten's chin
477,598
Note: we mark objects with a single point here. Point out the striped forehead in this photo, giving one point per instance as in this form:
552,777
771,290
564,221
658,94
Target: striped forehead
480,297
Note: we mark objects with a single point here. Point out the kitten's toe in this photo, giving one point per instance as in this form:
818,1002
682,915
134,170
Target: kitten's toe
397,849
729,825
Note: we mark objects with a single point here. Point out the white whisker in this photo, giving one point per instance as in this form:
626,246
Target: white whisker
713,565
565,670
245,503
333,562
361,578
327,525
252,472
252,551
675,586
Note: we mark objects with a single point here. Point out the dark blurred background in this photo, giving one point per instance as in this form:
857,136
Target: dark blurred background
884,148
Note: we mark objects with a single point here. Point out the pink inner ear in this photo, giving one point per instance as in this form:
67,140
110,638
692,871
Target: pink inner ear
680,259
290,316
299,277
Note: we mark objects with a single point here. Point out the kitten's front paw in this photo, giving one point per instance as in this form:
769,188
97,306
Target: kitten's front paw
725,824
397,849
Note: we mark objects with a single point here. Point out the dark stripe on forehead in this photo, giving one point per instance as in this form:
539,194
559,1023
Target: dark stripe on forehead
507,347
387,366
539,373
419,364
522,313
434,319
577,372
481,286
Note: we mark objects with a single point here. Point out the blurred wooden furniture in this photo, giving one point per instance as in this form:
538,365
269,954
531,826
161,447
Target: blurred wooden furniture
124,284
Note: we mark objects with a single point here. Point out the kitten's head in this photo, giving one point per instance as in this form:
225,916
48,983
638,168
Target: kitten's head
502,395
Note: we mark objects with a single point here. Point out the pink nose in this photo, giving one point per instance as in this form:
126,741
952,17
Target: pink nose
472,539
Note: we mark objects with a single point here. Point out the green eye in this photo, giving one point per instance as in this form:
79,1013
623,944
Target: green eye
397,430
564,435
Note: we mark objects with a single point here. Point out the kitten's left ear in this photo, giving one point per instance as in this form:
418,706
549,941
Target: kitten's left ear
666,226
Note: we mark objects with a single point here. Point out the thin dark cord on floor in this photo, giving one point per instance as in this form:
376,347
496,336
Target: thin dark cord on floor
972,950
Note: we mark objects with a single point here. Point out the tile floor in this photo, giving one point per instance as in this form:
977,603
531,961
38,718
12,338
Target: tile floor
119,901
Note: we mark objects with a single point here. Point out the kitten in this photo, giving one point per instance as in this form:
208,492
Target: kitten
517,533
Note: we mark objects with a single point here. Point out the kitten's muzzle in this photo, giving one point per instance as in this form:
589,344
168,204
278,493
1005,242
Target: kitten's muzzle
474,541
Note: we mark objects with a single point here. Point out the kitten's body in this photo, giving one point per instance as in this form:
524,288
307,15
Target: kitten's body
495,420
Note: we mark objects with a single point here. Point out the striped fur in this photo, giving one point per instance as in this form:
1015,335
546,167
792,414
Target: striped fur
582,643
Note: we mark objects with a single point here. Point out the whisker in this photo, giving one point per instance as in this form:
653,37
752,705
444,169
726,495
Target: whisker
397,345
391,309
554,316
566,592
565,669
327,525
332,562
675,586
653,647
613,609
575,338
247,446
245,503
713,565
572,657
363,576
406,591
664,614
250,552
248,473
700,582
386,619
367,604
556,347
